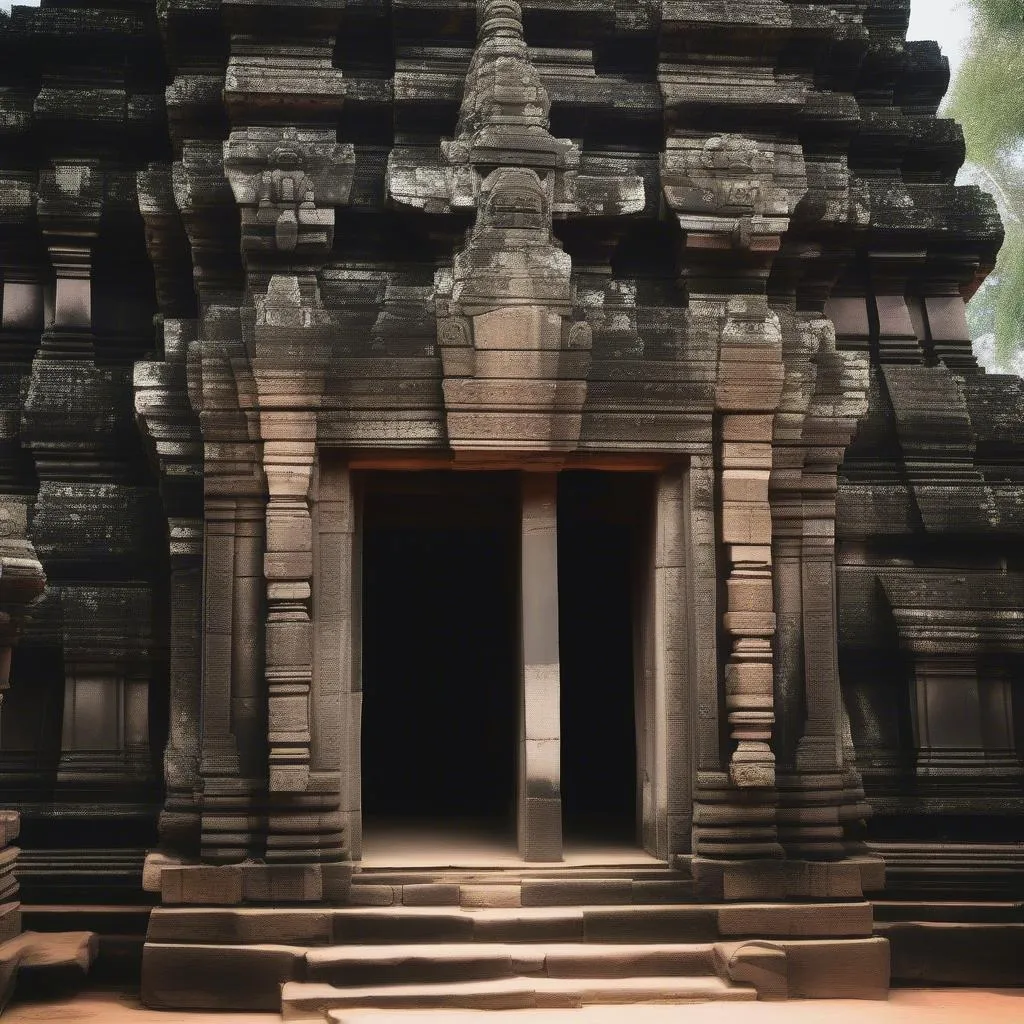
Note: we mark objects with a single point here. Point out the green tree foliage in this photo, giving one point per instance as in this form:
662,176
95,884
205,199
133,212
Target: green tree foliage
988,100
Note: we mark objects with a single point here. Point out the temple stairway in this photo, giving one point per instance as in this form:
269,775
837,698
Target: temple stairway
500,937
513,938
548,937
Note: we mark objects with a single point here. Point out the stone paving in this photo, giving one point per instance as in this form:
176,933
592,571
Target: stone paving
905,1006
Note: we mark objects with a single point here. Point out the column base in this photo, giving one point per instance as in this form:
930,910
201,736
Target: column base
773,880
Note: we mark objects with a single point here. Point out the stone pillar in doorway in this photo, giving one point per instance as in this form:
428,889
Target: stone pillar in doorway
539,799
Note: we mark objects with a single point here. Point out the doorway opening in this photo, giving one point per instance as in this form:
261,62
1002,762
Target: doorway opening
603,525
440,562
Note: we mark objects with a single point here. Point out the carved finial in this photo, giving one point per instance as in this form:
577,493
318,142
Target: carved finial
505,107
501,18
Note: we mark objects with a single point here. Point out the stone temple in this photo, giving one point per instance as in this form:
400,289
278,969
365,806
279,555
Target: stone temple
499,507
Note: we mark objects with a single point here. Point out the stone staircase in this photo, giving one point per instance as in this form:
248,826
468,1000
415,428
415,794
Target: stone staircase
529,936
524,886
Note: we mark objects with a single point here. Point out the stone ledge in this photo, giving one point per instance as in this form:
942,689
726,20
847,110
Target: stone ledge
238,884
952,953
786,879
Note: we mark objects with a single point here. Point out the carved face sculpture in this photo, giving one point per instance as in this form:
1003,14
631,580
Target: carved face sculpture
512,258
516,203
287,183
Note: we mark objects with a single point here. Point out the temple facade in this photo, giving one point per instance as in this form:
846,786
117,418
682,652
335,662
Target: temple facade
498,506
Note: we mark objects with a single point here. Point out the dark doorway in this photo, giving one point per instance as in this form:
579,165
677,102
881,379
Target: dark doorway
602,527
440,627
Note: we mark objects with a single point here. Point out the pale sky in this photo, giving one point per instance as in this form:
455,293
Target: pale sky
948,22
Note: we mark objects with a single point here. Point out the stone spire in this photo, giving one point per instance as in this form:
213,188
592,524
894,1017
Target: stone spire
504,115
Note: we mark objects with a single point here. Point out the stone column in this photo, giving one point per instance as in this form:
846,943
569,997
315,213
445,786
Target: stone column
289,573
179,825
337,688
749,390
664,670
248,710
225,792
170,428
539,795
219,752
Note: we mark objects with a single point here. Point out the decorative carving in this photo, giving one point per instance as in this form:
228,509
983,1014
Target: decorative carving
504,122
287,182
733,187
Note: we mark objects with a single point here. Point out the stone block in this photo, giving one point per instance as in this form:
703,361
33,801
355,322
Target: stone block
946,953
810,920
202,885
282,883
651,924
554,892
746,523
746,429
852,969
387,925
761,964
653,891
373,896
540,829
479,896
10,920
746,455
745,485
872,873
240,926
218,977
791,880
433,894
337,881
750,595
559,925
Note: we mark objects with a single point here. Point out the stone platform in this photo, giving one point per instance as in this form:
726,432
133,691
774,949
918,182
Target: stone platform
511,938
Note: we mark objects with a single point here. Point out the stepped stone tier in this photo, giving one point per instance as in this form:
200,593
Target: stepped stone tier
556,420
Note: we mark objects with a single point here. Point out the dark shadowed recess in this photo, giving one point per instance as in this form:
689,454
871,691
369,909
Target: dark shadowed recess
602,526
440,563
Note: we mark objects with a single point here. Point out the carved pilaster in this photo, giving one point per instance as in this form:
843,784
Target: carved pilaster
288,568
733,198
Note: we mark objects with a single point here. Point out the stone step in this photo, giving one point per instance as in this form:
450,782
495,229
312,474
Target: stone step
46,962
342,926
585,923
311,1001
497,876
523,892
950,911
352,966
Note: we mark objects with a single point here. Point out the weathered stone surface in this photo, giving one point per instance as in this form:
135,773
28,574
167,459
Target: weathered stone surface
255,253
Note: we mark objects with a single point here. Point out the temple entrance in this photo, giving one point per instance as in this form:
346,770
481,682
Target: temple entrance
602,529
439,653
460,623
